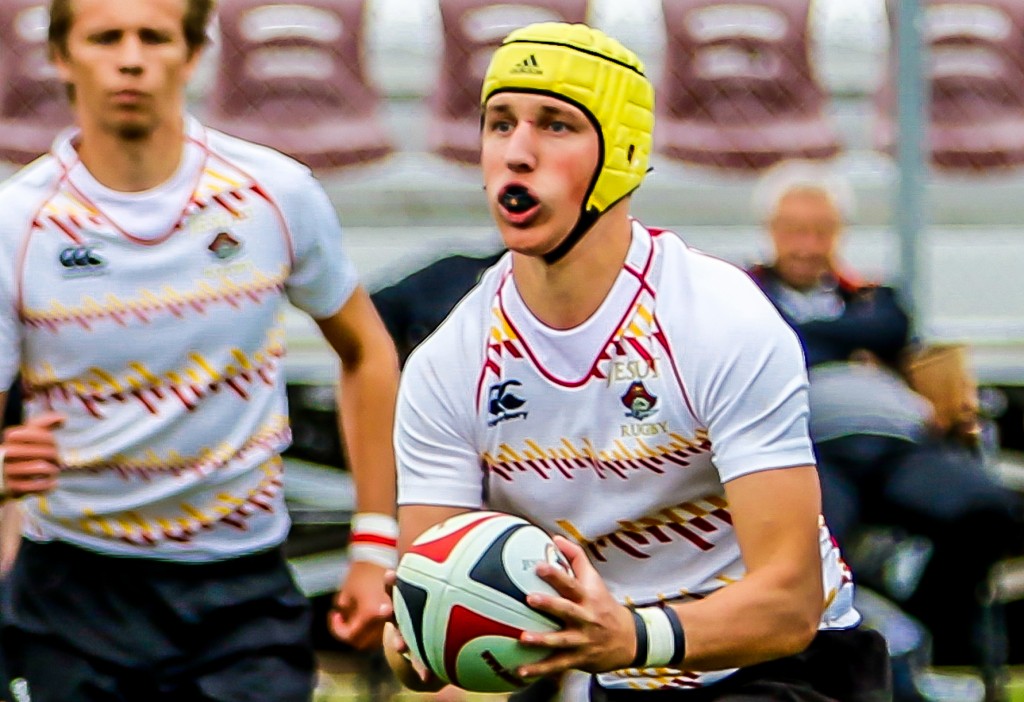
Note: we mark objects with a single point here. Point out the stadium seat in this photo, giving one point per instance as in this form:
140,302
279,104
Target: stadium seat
291,76
33,106
977,85
738,90
472,30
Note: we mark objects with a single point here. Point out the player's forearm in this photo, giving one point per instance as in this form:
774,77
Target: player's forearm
765,616
10,535
367,414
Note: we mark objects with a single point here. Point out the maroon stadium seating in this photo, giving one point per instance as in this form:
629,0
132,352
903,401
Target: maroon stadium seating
472,30
976,83
291,76
738,90
33,105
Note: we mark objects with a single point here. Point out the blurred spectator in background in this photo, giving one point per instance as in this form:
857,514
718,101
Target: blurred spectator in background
413,307
886,454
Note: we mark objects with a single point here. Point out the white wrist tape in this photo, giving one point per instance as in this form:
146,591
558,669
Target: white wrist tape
660,642
666,645
374,539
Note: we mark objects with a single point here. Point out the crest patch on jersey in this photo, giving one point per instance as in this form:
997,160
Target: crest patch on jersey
639,401
224,246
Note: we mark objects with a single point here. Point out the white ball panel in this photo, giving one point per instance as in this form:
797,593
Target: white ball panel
527,548
435,612
427,567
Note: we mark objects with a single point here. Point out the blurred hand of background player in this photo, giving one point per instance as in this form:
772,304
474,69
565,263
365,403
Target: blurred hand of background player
599,634
361,607
30,456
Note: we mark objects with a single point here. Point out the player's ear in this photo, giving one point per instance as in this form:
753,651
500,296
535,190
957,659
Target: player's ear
195,56
59,60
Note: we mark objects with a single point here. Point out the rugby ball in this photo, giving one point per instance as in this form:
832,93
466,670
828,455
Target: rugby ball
460,598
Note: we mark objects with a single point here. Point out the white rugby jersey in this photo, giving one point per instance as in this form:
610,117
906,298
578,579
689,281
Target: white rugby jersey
619,433
154,322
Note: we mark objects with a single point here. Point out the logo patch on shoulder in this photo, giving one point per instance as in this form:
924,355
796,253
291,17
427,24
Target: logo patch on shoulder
640,403
224,246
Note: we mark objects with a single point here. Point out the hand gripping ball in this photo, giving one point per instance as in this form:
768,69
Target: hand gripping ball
460,598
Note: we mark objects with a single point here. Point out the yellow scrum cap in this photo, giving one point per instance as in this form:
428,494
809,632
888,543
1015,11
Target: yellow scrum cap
597,74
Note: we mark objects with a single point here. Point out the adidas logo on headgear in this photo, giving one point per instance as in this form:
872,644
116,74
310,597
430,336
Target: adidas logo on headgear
528,65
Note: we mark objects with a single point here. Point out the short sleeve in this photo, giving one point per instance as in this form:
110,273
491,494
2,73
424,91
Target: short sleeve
437,461
752,394
323,276
12,199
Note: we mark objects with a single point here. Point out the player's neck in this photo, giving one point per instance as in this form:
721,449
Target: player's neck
567,293
132,165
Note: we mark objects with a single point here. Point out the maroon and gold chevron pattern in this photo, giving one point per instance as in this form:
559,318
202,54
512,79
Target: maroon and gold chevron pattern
70,211
206,461
639,332
691,521
568,459
148,304
659,678
188,385
226,509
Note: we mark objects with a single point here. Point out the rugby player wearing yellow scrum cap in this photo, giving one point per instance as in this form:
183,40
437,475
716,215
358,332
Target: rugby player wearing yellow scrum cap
639,400
546,67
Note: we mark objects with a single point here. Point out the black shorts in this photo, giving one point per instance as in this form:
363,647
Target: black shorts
79,626
851,665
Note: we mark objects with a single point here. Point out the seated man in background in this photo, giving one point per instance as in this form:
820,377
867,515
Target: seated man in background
885,456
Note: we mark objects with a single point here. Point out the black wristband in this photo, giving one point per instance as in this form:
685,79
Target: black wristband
677,634
641,640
